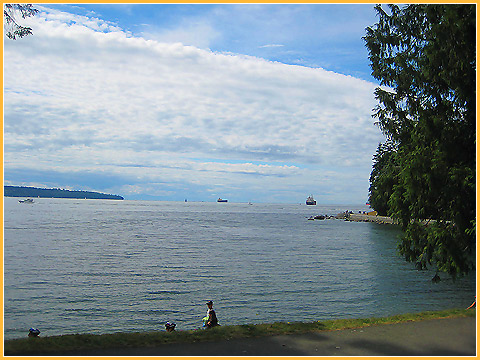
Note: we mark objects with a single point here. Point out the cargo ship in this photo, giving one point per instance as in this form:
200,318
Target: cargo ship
311,200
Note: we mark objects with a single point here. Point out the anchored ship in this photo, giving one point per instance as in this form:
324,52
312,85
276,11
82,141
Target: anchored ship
311,200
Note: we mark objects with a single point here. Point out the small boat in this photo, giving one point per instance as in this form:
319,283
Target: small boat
311,200
222,200
26,201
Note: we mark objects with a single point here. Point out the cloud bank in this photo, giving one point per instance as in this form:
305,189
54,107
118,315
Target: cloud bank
83,97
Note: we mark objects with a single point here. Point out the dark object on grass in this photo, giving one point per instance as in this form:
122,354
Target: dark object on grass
33,332
170,326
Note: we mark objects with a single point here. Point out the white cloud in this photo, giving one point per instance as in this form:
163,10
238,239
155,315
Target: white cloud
194,33
83,94
271,46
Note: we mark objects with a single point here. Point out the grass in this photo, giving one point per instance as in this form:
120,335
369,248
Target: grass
52,345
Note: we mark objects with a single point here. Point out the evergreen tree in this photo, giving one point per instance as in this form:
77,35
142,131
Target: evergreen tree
13,30
424,57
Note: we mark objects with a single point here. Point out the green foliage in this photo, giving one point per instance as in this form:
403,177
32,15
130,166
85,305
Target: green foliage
13,30
424,57
24,191
383,177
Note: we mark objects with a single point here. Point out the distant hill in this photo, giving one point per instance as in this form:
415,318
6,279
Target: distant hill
22,191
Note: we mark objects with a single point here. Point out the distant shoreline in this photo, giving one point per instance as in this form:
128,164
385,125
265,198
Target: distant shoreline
33,192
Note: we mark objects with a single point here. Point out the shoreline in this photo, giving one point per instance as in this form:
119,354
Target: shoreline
371,218
194,342
360,217
437,337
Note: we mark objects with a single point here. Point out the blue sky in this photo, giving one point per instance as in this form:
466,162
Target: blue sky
315,35
250,102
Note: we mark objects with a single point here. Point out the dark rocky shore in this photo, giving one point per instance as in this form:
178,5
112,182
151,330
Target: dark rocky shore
370,218
360,217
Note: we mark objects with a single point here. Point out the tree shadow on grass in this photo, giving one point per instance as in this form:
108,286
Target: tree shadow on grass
388,349
311,344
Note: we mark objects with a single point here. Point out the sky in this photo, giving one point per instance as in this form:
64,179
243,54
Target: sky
247,102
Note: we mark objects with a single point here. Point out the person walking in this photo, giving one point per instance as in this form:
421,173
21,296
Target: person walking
211,318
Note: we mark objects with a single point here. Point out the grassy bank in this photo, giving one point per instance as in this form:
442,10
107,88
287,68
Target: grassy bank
70,343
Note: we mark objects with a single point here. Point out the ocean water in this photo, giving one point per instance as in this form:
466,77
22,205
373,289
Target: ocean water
99,266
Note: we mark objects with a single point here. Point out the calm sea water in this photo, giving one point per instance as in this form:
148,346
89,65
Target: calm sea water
95,266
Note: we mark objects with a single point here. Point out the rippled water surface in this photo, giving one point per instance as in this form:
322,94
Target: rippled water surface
96,266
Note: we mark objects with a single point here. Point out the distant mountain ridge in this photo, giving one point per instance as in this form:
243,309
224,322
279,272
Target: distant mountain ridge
23,191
